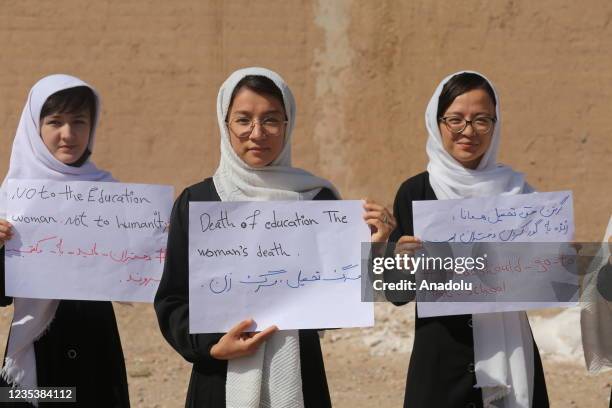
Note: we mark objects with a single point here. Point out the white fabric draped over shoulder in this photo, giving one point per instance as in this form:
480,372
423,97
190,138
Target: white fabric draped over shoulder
272,376
30,159
503,344
596,313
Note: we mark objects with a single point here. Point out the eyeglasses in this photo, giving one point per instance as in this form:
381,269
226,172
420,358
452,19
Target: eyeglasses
457,124
242,127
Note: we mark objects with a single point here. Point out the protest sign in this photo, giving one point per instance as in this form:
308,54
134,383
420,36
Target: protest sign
296,264
505,275
86,240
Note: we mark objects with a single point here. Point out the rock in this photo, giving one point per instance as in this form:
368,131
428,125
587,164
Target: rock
139,372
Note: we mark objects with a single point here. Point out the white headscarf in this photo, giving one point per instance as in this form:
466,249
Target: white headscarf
272,376
596,314
237,181
503,344
30,159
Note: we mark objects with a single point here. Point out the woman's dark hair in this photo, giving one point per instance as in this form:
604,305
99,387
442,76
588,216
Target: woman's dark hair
260,85
460,84
71,100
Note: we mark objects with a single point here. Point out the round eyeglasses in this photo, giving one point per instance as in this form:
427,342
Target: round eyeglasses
242,127
457,124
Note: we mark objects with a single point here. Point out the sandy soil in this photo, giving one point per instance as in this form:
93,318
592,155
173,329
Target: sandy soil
365,367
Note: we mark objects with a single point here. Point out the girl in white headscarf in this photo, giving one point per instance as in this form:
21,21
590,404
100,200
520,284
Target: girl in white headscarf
61,342
256,114
485,360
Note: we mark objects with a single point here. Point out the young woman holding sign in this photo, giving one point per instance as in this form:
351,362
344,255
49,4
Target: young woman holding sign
61,343
256,114
467,360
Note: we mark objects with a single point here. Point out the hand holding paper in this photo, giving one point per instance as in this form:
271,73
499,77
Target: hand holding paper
237,342
407,244
6,231
380,220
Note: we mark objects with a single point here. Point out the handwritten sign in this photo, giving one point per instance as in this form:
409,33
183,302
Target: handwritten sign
293,264
86,240
514,276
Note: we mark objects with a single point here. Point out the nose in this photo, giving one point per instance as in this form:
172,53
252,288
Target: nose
257,133
469,129
67,132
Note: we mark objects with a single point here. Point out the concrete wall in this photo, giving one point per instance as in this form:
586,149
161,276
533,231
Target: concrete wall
362,73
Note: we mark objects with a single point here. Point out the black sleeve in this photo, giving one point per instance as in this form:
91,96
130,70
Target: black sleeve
325,194
604,281
172,298
4,300
402,211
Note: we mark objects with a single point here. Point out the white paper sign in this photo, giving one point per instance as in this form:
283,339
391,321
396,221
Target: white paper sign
516,277
293,264
86,240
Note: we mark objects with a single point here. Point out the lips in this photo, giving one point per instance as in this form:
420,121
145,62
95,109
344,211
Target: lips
258,149
468,146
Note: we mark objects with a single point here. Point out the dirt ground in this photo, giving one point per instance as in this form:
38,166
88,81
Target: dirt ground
362,73
365,367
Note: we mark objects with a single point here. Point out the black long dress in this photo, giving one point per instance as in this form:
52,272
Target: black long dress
81,349
441,371
604,279
207,383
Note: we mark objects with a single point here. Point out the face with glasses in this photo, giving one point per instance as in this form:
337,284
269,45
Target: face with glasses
256,124
467,127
